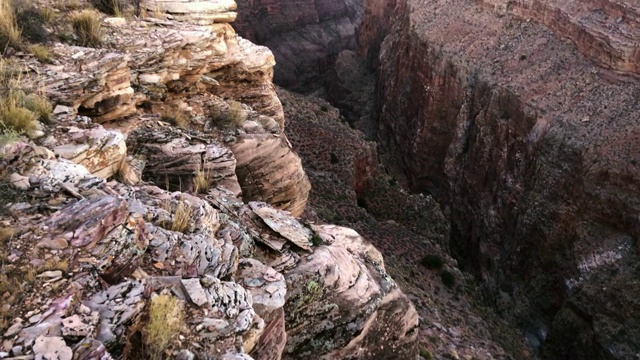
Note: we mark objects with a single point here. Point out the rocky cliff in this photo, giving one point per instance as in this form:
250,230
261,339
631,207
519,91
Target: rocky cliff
305,36
154,215
532,149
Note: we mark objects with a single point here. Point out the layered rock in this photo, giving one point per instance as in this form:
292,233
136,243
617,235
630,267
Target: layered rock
113,249
124,269
530,150
305,36
605,31
170,62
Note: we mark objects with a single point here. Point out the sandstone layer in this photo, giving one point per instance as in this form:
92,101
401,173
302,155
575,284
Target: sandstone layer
531,148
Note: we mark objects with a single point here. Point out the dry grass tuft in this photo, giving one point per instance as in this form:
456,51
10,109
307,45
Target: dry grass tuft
47,14
8,284
180,216
201,182
16,118
88,26
166,319
6,234
233,116
19,111
10,34
41,53
174,116
39,105
53,264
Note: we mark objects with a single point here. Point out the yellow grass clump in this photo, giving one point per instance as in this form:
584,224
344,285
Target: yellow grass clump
166,319
88,26
10,33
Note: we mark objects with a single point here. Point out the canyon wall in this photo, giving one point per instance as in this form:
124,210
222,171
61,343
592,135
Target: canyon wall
305,36
533,153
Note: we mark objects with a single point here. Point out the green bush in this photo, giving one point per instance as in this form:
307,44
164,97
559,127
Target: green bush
448,278
426,354
432,261
334,158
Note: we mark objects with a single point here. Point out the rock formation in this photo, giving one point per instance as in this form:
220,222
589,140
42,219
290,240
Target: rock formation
305,36
156,216
531,149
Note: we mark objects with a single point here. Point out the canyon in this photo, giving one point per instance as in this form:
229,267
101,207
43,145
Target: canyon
520,118
414,179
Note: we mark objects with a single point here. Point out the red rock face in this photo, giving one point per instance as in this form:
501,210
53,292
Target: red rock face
534,152
305,36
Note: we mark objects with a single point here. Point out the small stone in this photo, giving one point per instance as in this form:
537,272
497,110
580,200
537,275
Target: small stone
19,182
53,244
51,347
115,21
35,318
51,274
16,350
195,291
14,329
61,109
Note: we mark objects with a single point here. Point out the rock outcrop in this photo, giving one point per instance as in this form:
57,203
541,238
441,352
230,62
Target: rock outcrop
169,62
305,36
132,234
530,148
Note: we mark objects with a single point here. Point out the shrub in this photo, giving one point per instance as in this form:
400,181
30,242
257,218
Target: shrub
324,108
88,26
334,158
8,136
166,319
39,105
426,354
41,53
32,24
432,261
448,278
10,34
16,118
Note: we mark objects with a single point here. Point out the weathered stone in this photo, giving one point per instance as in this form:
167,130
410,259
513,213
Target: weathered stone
51,347
281,182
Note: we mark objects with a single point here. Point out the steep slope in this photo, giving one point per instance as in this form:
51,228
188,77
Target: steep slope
533,151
